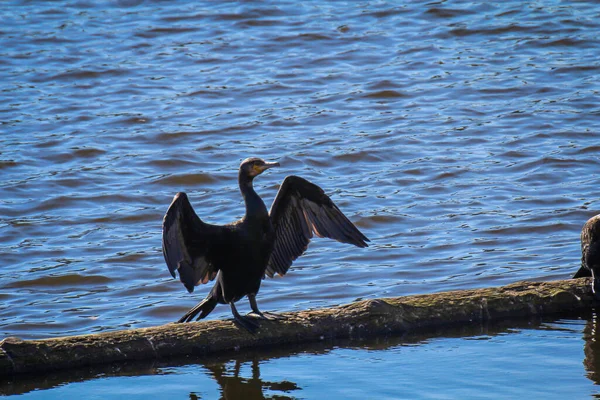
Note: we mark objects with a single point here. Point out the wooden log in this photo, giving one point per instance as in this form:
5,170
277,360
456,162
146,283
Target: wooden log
420,313
24,383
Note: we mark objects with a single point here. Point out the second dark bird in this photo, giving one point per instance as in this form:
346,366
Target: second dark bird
590,253
240,254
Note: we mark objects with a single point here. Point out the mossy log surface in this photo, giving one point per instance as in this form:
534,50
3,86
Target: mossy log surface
420,313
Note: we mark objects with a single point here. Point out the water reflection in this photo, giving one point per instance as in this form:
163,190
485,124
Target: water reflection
22,384
233,385
591,349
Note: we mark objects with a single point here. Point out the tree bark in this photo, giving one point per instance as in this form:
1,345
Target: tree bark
420,313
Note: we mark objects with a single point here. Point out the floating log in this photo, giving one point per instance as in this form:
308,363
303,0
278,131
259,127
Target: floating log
401,315
214,365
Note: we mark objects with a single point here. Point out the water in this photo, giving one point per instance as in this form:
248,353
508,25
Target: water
460,137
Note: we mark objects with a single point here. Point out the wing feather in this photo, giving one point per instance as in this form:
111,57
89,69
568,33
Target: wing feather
186,243
300,211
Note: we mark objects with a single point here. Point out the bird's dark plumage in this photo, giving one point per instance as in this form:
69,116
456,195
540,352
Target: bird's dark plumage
590,253
240,254
301,209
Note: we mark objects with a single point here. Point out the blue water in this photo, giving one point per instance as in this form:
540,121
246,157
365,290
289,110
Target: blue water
461,137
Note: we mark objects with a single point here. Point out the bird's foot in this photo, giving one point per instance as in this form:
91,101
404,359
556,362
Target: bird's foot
266,315
246,323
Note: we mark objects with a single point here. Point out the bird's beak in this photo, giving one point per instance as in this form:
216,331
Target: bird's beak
270,165
259,169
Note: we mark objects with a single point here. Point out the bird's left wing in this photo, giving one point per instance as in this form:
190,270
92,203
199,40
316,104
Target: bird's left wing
186,243
302,209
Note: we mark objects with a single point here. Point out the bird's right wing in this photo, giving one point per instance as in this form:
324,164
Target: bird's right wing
186,243
302,209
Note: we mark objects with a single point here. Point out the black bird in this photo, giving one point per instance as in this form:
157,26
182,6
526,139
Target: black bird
240,254
590,253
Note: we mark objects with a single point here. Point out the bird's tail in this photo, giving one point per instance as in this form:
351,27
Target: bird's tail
203,308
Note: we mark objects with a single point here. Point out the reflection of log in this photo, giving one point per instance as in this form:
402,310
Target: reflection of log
423,313
591,349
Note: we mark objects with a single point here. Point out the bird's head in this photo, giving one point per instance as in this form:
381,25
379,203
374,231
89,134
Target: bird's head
254,166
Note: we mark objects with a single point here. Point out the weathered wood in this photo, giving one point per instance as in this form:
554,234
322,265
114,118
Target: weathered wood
420,313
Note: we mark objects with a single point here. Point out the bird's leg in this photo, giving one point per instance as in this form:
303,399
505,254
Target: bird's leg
244,322
256,311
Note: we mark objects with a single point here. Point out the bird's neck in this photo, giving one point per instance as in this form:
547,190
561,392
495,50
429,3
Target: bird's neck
255,207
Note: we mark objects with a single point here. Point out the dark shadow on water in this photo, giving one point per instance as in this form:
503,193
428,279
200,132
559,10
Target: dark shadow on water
226,368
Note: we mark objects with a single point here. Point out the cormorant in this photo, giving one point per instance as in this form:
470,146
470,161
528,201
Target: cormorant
240,254
590,253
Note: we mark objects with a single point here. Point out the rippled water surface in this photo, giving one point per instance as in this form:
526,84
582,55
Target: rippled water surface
461,137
